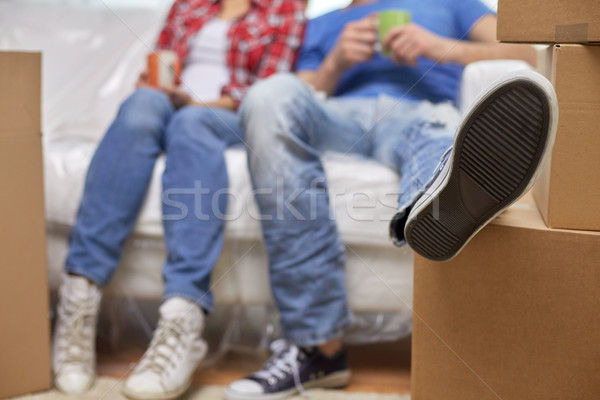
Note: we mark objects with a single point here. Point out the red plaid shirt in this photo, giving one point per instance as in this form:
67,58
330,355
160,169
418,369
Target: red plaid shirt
263,41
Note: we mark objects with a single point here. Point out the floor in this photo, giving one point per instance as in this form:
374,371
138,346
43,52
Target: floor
381,368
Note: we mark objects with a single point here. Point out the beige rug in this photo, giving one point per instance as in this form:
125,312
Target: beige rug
110,389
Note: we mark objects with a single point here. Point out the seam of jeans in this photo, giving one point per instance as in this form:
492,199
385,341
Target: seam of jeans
317,339
87,274
208,308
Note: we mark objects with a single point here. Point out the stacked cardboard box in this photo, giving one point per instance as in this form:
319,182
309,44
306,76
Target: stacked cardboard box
548,21
568,190
24,333
516,314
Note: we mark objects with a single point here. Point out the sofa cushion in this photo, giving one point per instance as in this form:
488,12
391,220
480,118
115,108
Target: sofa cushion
363,193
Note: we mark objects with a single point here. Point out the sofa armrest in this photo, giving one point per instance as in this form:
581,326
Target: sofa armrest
479,75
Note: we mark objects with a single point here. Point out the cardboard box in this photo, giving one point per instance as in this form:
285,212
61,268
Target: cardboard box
515,316
568,190
24,309
549,21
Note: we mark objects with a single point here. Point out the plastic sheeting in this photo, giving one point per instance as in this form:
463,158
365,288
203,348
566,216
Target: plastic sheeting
479,75
126,323
363,192
91,59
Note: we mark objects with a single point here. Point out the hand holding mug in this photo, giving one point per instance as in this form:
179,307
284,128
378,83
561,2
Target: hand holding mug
408,42
356,43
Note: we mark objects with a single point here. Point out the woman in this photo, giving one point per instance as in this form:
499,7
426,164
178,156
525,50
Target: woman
225,46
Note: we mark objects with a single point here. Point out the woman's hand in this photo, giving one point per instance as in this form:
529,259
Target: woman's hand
142,81
178,97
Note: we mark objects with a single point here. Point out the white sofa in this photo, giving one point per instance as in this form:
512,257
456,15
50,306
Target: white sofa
91,60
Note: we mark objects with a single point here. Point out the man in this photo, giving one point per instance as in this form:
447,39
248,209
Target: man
397,110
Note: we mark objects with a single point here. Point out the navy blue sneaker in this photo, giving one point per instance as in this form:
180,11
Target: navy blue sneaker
290,370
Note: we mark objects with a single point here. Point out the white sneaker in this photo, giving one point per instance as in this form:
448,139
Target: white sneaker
74,356
176,349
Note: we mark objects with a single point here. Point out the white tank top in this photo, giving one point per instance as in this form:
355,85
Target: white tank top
205,71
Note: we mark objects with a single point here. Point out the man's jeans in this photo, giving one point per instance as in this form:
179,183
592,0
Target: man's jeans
287,128
194,140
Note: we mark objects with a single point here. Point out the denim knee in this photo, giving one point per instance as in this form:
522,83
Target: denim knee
195,126
272,106
273,91
145,112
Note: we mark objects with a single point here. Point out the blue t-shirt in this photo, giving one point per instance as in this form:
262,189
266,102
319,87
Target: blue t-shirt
436,83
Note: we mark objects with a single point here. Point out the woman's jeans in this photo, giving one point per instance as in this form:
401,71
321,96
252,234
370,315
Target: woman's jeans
287,128
194,140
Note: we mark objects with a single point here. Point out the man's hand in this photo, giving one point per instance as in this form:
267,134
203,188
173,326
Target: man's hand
356,44
178,97
142,81
410,41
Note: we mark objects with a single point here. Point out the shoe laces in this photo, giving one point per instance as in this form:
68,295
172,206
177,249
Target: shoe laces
164,347
77,319
285,360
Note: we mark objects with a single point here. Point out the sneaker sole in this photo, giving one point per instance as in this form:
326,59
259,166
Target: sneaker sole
498,152
148,396
332,381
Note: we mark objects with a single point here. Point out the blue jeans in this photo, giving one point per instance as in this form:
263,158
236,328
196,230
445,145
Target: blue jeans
194,140
287,128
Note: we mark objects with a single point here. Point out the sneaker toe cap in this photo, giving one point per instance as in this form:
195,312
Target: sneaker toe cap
144,384
74,382
246,386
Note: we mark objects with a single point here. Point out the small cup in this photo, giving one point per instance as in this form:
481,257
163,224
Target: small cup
164,68
388,19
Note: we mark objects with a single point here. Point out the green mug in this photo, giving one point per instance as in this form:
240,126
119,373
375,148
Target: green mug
388,19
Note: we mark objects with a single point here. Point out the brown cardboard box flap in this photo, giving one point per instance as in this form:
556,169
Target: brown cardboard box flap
20,109
549,21
525,214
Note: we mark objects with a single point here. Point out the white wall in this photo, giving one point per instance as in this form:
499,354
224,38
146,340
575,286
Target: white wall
110,3
319,7
315,7
493,4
